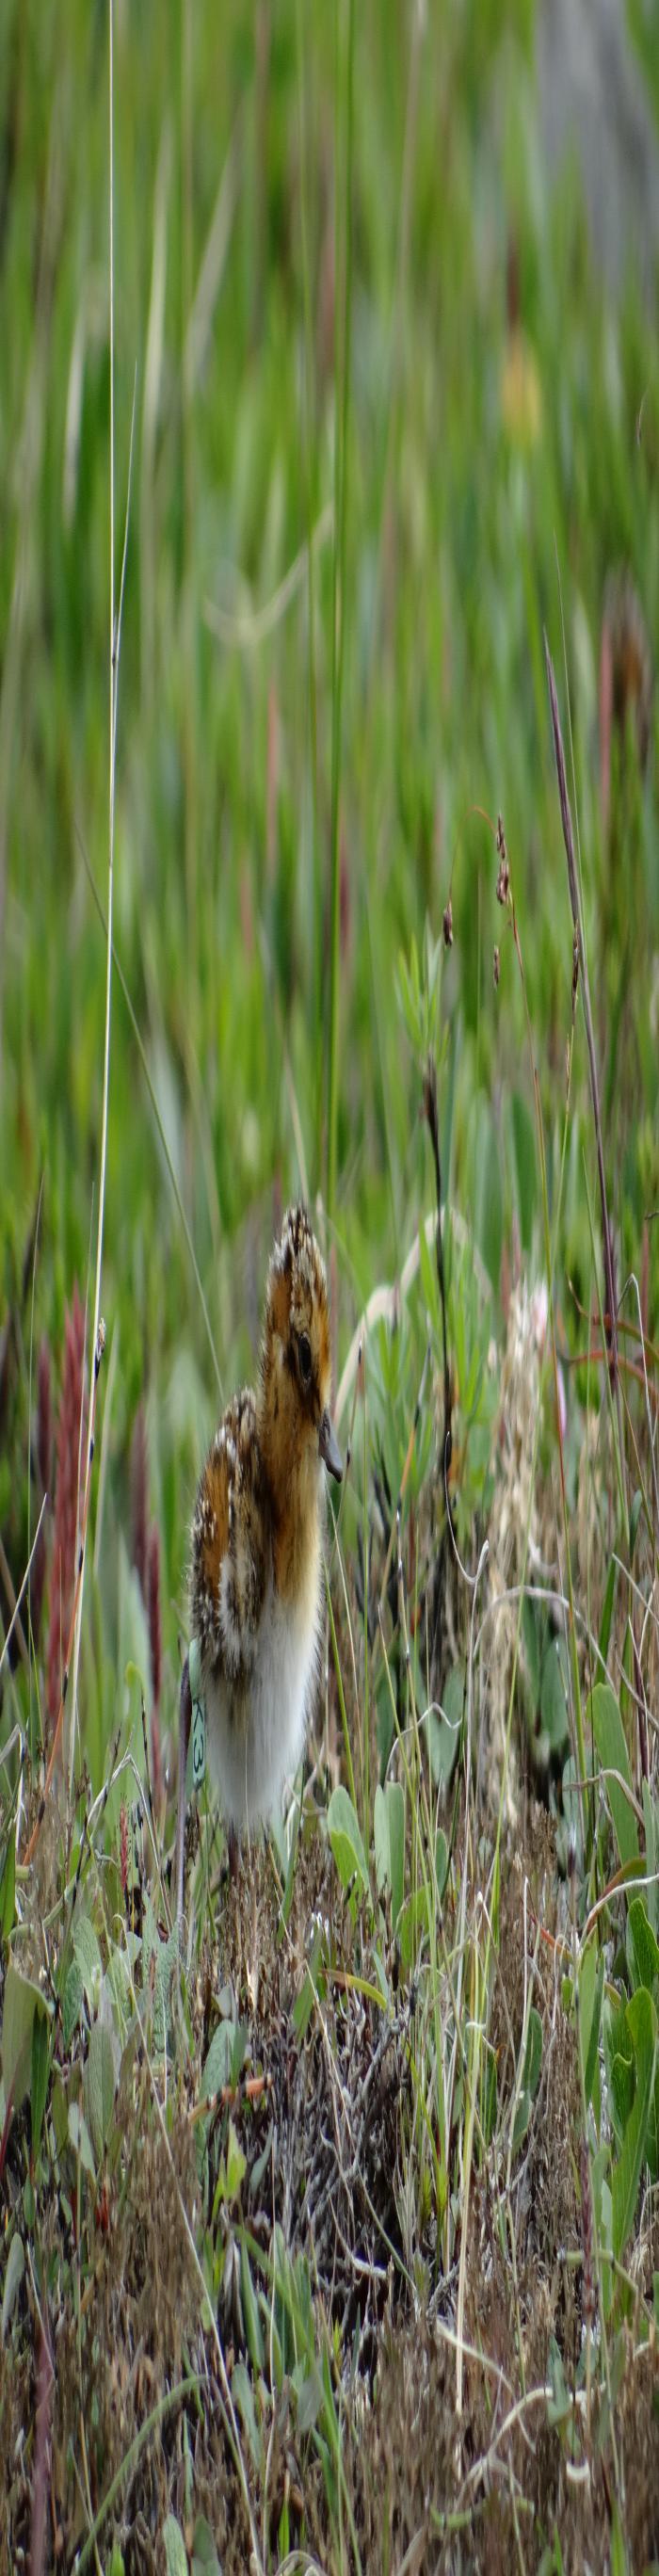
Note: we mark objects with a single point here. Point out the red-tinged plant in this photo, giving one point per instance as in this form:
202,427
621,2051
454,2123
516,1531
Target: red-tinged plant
139,1488
44,1454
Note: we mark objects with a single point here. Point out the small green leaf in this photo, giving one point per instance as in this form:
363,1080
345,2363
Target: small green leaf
652,2133
243,2397
176,2556
80,2139
642,1949
642,2023
8,1889
609,1733
444,1728
634,1518
553,1698
250,2311
572,1828
412,1925
441,1862
59,2112
303,2006
346,1840
235,2164
309,2398
381,1842
22,2001
87,1953
591,1988
217,2069
651,1823
205,2561
607,1610
100,2085
14,2269
559,2405
619,2555
117,1984
620,2066
166,1961
72,2002
395,1798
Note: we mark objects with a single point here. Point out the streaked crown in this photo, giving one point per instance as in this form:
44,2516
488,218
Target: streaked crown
297,1312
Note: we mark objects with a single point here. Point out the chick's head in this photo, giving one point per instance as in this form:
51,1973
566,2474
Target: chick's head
296,1366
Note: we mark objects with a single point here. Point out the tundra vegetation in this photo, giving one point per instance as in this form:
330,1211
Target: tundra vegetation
329,866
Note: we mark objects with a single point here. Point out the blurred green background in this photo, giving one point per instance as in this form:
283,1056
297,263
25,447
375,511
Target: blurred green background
345,530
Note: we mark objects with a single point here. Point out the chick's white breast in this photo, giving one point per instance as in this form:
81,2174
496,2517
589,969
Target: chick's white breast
257,1723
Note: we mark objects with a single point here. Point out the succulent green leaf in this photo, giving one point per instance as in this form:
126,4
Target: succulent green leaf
345,1837
80,2139
591,1988
205,2561
607,1610
100,2085
8,1889
217,2068
250,2310
88,1956
21,2001
611,1744
72,2002
176,2556
642,2023
381,1841
642,1949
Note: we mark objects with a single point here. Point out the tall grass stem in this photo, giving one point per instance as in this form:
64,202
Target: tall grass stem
338,618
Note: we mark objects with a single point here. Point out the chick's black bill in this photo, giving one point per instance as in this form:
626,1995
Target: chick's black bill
329,1448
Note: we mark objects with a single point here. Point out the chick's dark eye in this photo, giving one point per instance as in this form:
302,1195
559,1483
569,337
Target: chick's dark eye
304,1349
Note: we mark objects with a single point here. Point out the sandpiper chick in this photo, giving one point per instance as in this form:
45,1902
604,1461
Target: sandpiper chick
256,1570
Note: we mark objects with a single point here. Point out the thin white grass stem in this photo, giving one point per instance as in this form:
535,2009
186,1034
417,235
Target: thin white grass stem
534,2397
115,644
553,1599
386,1301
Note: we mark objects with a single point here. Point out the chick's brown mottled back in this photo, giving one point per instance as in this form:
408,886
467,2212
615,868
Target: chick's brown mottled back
255,1583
